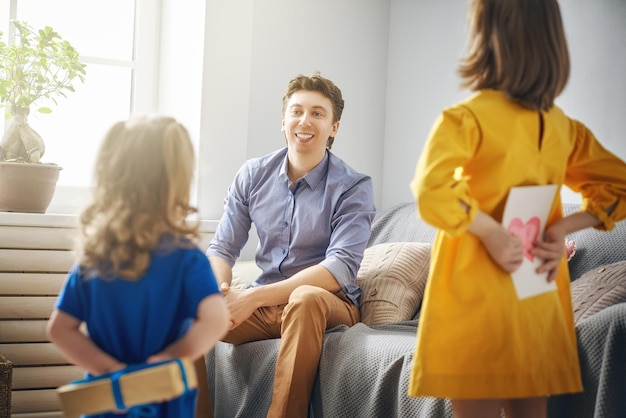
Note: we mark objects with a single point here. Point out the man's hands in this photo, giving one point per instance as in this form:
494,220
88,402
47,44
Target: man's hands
240,305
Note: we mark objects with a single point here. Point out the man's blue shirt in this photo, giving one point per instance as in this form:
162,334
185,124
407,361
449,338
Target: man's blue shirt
325,218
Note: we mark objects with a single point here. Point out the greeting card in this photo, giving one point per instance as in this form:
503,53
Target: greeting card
525,214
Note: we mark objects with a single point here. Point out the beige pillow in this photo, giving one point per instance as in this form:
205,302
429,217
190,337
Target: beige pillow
244,273
598,289
392,277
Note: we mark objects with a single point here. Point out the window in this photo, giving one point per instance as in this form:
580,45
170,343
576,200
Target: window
119,42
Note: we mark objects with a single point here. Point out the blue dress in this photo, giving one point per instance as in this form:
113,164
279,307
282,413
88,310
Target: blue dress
132,320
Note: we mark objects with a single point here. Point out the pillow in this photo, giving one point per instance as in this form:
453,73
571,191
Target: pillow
392,278
244,273
598,289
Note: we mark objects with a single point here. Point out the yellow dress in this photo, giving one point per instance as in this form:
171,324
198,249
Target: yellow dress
476,339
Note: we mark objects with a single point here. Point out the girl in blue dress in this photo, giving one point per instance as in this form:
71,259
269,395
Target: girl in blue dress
141,285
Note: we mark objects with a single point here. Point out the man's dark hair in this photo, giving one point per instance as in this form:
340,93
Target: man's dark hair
316,82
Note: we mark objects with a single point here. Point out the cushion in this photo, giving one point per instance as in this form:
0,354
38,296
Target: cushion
244,273
392,277
598,289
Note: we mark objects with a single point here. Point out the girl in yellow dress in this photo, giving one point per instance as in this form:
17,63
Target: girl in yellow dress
478,344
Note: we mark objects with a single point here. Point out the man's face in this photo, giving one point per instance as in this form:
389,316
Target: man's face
308,122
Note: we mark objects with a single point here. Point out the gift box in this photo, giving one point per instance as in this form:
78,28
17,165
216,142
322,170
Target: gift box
134,385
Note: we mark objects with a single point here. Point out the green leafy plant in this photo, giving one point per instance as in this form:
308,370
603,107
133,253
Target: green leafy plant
41,66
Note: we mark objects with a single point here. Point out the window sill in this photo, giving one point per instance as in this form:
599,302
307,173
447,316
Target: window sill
50,220
58,220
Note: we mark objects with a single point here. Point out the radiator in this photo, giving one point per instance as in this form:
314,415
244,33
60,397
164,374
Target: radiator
36,251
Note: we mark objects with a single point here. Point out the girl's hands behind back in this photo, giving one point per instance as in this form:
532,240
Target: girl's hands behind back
551,250
504,247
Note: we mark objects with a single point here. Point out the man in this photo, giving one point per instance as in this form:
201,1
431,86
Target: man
313,217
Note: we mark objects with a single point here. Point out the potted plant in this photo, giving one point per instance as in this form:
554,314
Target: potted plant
40,67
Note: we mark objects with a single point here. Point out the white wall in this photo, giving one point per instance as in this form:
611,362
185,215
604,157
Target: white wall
395,61
426,40
596,93
252,51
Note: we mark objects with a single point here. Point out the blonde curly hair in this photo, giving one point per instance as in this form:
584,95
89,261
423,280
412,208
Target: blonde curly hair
143,175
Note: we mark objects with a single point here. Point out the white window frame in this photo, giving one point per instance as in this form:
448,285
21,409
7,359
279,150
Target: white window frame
161,26
145,83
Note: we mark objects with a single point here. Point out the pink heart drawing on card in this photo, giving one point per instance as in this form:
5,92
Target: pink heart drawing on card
528,232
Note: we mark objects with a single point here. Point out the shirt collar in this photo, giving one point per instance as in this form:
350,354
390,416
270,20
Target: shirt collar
313,177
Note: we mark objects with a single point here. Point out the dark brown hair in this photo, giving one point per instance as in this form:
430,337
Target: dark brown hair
518,47
323,85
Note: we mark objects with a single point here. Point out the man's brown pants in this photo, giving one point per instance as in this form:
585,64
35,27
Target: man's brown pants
300,324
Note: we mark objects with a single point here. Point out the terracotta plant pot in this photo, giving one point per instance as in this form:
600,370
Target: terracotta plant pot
26,187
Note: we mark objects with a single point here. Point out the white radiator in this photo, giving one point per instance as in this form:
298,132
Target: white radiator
36,251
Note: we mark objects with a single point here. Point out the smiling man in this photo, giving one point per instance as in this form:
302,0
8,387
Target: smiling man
313,215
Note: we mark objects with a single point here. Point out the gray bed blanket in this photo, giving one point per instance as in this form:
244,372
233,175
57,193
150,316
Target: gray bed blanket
366,372
602,350
241,378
